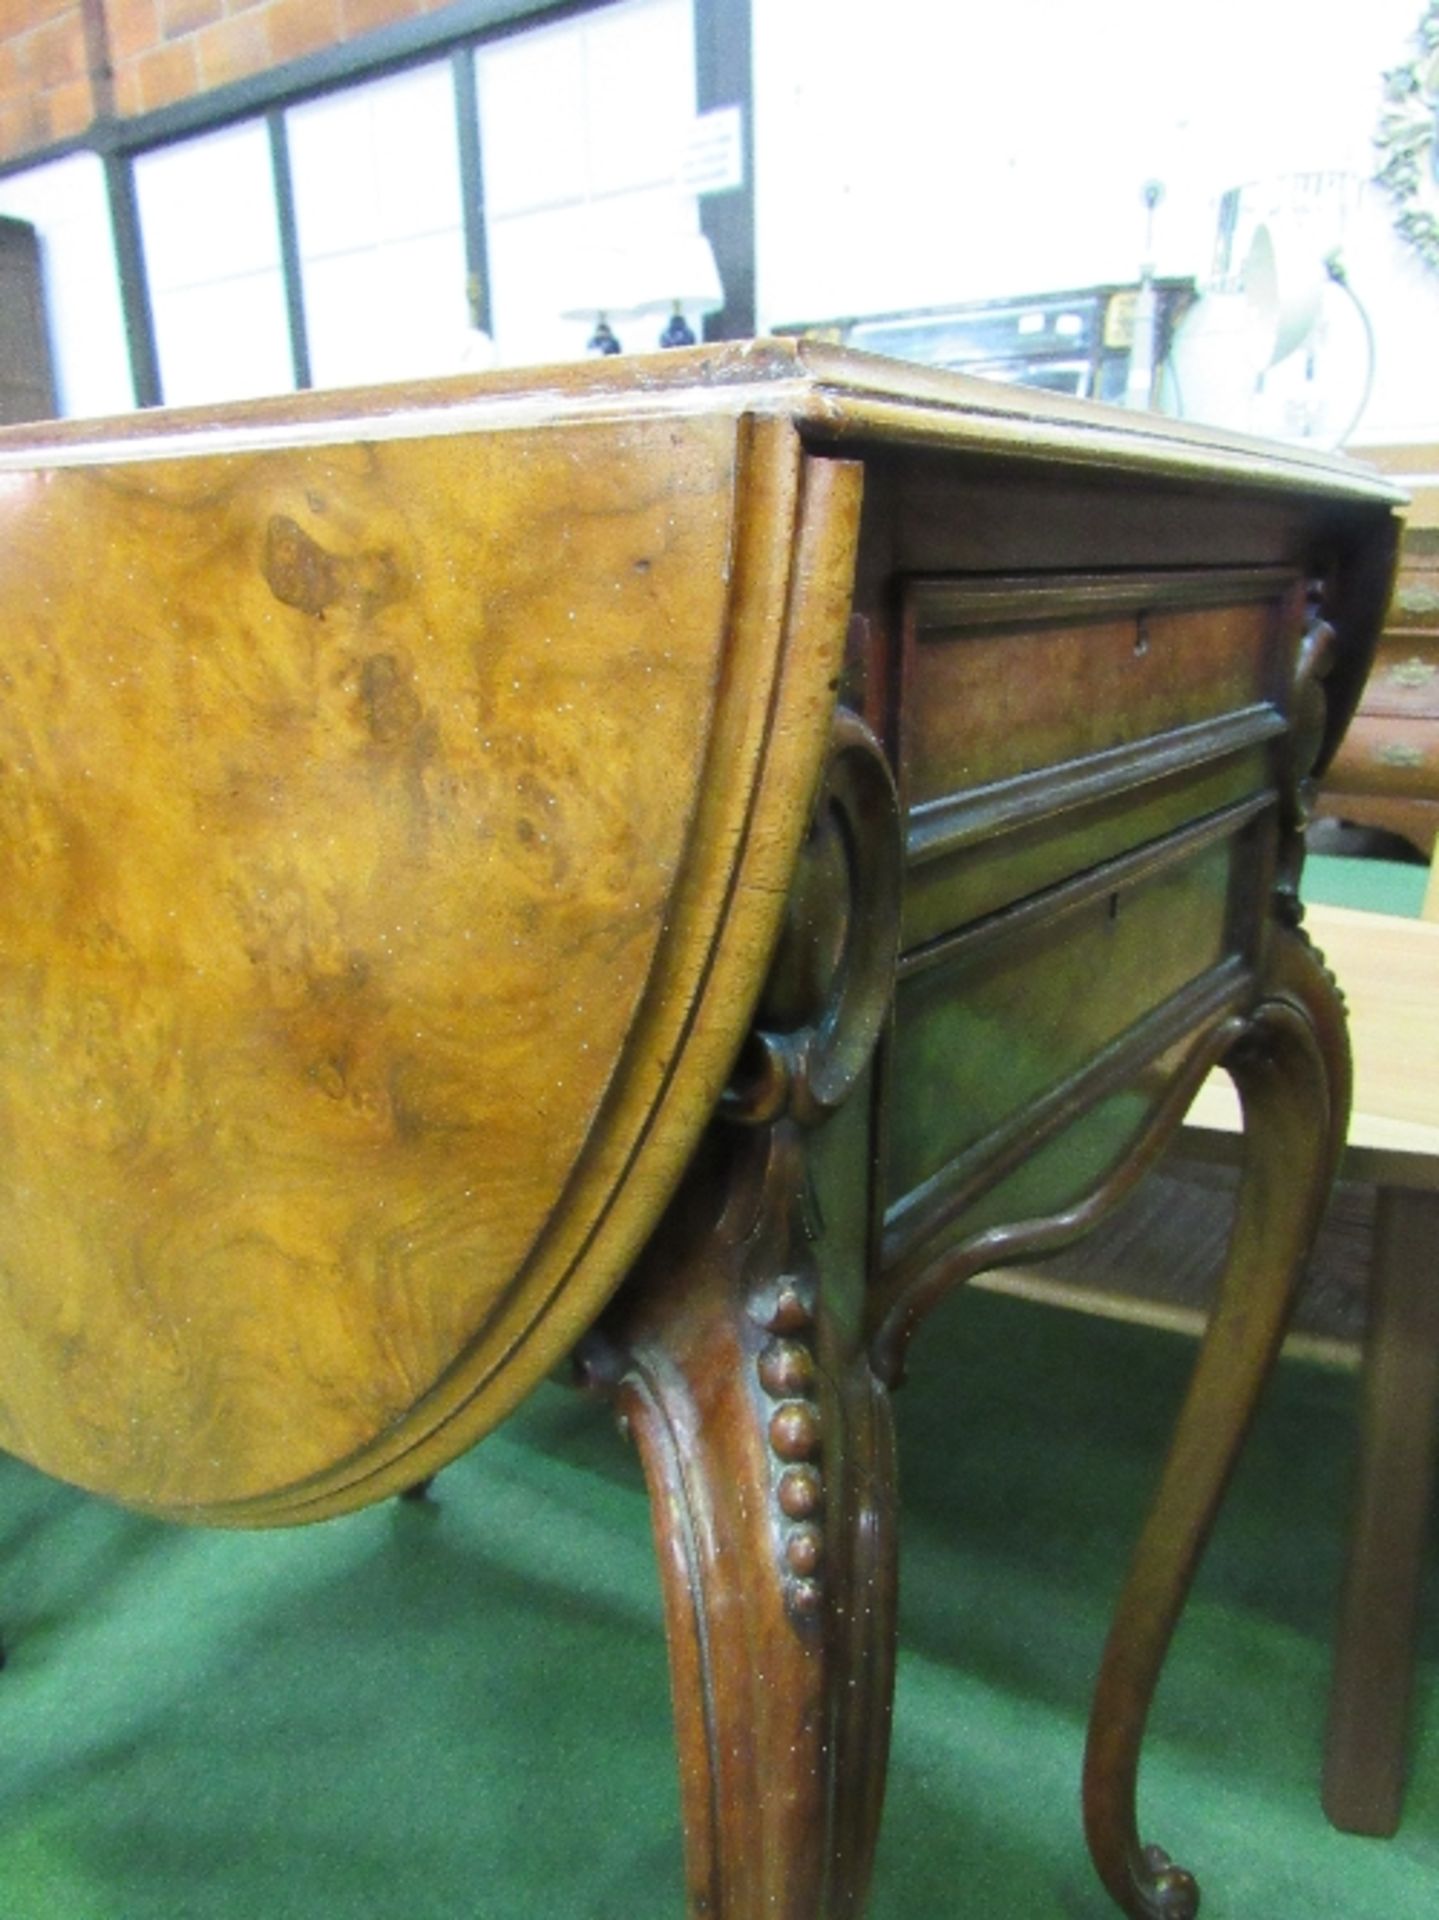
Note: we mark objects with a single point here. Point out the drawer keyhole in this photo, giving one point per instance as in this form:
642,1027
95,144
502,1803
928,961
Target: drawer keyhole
1141,636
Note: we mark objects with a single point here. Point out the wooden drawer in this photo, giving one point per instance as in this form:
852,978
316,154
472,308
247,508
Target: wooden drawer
1051,722
1404,681
1386,772
1416,592
1388,754
1415,606
1002,1020
1391,752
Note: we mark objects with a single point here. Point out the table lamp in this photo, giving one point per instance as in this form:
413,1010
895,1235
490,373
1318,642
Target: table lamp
678,276
603,286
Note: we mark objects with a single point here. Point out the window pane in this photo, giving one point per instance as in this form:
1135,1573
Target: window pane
581,129
212,263
377,209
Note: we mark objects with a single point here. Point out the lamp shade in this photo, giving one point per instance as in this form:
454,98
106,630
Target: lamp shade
677,270
603,280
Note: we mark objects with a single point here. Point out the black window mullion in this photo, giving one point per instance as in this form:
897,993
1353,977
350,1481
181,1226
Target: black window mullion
289,246
723,78
472,188
722,64
134,283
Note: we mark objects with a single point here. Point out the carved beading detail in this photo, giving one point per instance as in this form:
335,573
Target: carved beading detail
788,1371
819,1018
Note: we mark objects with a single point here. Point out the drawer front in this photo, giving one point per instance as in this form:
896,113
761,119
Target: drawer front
999,1023
1388,754
1416,591
1015,675
1050,723
1404,681
959,882
1415,606
1060,1170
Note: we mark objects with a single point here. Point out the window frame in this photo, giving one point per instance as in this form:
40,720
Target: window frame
723,37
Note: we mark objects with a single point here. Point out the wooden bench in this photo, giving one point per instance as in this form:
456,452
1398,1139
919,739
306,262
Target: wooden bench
1388,970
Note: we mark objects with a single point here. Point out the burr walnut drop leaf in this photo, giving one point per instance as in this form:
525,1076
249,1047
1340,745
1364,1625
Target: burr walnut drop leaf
355,892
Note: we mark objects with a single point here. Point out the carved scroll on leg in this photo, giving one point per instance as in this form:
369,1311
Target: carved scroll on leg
1292,1071
768,1451
736,1358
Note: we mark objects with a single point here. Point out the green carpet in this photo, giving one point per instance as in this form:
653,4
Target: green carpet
1372,886
461,1710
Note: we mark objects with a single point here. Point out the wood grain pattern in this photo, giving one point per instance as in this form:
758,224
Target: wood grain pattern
352,805
993,701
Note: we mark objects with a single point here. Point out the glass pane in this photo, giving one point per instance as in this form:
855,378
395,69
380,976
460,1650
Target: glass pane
582,126
212,260
378,214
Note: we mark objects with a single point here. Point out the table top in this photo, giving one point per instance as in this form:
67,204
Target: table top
401,794
1388,972
834,393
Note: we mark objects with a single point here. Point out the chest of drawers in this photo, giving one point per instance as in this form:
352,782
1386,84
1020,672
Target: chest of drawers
663,869
1386,773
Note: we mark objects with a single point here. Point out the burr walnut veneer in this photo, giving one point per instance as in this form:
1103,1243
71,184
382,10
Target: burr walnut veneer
669,867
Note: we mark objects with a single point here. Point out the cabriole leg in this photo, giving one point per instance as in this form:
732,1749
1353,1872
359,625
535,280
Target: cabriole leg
1292,1071
768,1450
735,1354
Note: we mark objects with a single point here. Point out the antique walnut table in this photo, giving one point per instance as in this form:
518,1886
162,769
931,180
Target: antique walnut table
669,867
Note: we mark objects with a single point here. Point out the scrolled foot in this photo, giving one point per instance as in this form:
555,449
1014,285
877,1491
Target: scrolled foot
1165,1891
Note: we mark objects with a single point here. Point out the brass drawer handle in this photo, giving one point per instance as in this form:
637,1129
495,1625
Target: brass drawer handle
1398,753
1413,673
1417,599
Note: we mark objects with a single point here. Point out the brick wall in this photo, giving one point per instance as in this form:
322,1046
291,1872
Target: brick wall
65,63
46,90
